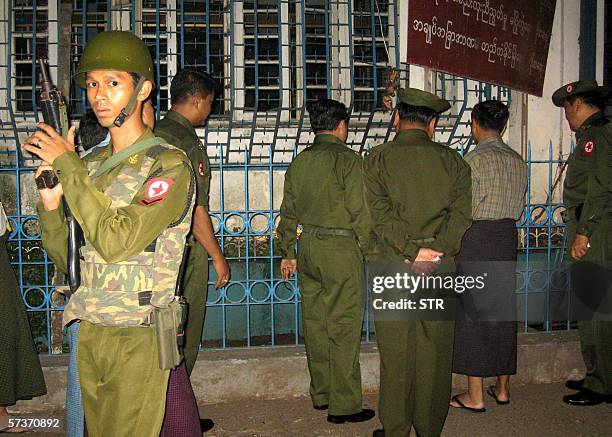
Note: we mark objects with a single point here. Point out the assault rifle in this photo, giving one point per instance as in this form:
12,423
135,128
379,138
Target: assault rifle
55,115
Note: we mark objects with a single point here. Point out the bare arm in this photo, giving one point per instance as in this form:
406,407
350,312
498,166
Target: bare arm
205,235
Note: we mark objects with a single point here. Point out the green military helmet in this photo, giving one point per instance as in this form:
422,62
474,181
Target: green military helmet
416,97
115,50
579,87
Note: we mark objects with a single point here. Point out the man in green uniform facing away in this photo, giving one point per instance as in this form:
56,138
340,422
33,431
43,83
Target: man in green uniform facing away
192,93
587,194
133,200
419,196
323,193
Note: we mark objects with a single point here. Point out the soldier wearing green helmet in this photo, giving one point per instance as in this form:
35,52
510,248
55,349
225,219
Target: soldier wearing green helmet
129,53
133,200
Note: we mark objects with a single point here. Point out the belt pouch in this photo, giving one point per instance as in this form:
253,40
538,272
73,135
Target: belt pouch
166,321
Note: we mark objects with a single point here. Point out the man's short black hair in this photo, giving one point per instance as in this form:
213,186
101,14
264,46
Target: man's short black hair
190,82
90,132
326,114
591,98
491,115
415,114
135,78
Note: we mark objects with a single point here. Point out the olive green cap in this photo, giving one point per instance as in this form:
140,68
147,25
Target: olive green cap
115,50
579,87
416,97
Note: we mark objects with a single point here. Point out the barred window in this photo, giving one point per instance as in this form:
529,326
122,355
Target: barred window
30,23
270,55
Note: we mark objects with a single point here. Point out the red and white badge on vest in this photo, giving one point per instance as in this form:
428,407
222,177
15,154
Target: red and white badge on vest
588,147
156,190
201,168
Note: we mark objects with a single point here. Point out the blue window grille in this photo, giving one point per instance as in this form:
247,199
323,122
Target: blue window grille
270,56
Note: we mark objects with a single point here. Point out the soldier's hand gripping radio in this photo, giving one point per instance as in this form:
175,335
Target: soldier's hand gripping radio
54,113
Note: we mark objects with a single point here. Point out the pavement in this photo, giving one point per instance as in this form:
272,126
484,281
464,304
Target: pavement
535,410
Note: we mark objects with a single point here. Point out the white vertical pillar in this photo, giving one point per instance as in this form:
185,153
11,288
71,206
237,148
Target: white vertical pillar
599,51
4,63
53,37
234,36
172,37
120,15
341,59
285,64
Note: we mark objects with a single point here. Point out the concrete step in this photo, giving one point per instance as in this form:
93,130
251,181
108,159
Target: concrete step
232,375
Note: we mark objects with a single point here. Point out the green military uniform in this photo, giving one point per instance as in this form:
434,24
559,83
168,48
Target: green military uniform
135,218
587,194
178,131
323,192
419,195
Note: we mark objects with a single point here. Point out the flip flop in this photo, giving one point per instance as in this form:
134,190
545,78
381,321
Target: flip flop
491,392
465,407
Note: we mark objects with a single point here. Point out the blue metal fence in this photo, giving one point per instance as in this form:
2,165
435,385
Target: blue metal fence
271,56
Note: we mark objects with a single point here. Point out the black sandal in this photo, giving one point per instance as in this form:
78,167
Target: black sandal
491,392
465,407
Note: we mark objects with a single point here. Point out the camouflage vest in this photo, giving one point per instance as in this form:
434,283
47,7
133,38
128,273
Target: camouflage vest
124,293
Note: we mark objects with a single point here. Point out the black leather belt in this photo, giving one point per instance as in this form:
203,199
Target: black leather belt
318,231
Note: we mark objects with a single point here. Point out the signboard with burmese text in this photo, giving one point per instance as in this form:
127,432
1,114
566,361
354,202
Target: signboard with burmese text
504,42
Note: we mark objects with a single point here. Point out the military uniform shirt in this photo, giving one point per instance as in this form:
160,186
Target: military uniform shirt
323,187
499,180
419,194
587,183
117,234
179,132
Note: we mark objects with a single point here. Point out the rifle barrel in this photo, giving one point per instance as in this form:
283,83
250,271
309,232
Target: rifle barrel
46,82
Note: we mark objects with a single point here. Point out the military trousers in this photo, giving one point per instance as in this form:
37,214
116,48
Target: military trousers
596,336
195,286
415,375
331,284
596,347
123,389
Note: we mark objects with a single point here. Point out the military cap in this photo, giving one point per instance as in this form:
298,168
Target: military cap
416,97
579,87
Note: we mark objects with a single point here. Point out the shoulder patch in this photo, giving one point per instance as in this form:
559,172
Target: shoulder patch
156,190
588,147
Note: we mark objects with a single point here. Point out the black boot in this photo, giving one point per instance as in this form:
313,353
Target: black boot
362,416
587,398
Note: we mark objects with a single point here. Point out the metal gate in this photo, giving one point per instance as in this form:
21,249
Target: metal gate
271,56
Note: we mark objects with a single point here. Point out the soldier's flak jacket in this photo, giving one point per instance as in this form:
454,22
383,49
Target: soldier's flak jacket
128,265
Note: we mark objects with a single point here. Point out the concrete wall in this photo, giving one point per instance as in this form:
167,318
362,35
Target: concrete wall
230,375
545,122
534,120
